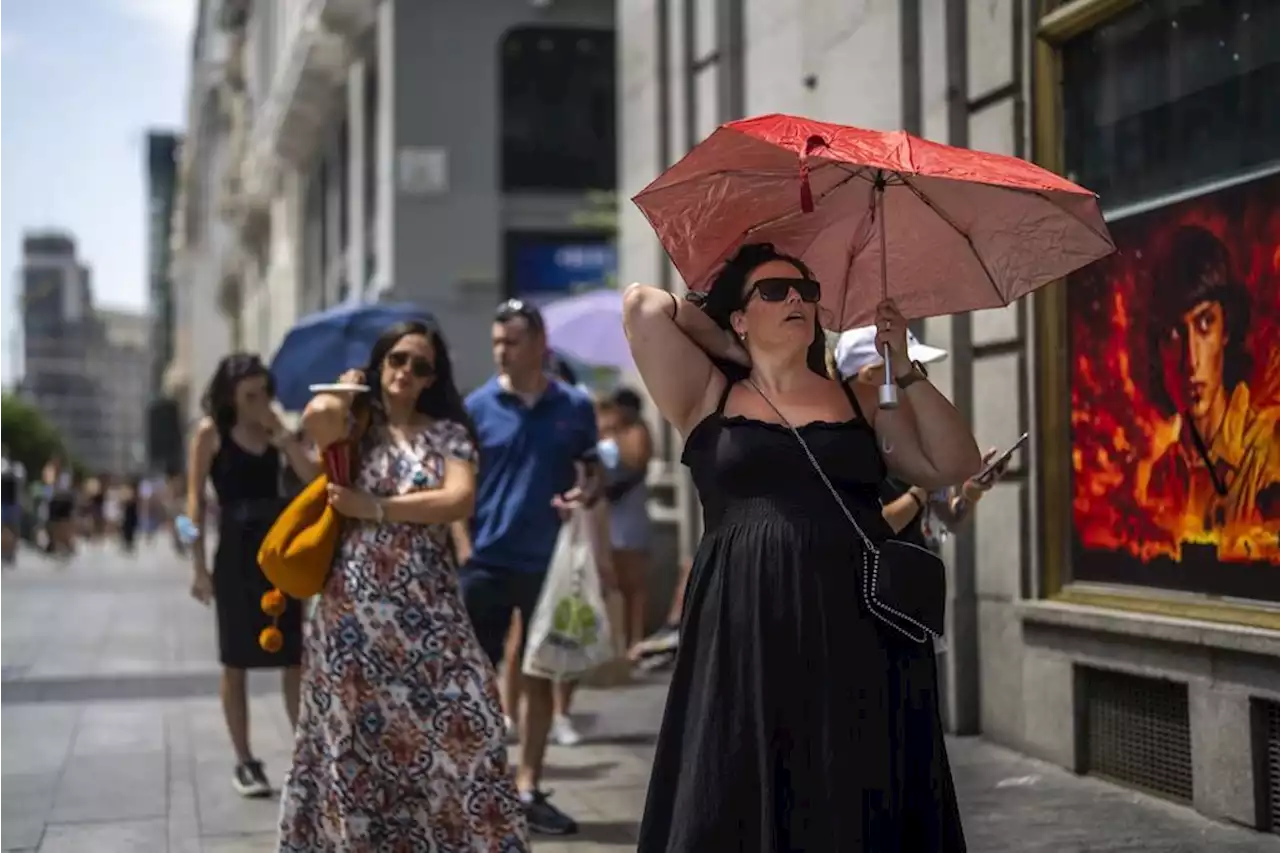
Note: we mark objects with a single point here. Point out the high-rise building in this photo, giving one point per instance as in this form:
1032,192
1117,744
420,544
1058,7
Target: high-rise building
59,331
162,176
123,359
163,424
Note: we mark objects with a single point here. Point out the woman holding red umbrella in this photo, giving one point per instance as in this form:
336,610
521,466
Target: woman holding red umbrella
796,720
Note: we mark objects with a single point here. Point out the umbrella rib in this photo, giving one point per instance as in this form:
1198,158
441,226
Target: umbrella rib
1103,237
792,214
942,214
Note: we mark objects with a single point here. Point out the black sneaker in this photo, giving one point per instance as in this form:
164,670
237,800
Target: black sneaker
544,818
249,780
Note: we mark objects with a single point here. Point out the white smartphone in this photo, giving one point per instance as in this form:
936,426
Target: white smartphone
990,468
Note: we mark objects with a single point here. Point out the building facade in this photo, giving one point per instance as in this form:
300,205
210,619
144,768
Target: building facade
122,364
1115,604
447,153
201,237
59,334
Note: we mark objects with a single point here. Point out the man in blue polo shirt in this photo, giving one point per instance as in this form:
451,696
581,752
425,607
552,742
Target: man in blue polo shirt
537,457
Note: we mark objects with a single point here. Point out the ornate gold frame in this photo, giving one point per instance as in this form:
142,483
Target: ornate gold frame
1056,27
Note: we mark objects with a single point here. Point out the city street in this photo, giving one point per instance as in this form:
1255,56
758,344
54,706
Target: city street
113,740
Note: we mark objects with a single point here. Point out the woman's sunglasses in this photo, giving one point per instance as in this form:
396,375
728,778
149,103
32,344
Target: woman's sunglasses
776,289
418,365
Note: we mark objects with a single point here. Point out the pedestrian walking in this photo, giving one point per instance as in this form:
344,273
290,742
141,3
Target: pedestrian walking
130,514
12,482
822,730
400,741
60,509
538,458
240,447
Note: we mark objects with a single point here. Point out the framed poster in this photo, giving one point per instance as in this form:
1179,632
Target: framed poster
1174,364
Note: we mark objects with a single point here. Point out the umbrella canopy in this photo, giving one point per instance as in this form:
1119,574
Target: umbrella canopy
322,346
588,328
939,229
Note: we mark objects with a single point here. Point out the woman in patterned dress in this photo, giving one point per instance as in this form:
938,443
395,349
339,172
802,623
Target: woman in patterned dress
400,742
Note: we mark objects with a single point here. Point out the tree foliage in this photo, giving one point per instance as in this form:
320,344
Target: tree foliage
29,437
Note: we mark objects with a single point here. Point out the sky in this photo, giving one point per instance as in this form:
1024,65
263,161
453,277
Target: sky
81,83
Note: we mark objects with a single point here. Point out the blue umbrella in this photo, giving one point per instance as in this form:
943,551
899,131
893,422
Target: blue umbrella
324,345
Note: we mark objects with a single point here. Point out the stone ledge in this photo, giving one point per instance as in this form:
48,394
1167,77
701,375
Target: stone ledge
1239,638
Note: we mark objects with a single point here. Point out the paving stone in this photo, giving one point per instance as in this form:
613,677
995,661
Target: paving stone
120,729
112,787
255,843
24,809
115,837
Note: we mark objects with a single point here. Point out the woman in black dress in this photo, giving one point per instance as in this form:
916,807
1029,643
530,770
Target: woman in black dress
238,446
796,721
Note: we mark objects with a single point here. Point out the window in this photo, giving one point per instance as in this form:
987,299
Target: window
1169,113
558,116
1170,94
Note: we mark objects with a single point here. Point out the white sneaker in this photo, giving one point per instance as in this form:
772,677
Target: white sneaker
563,732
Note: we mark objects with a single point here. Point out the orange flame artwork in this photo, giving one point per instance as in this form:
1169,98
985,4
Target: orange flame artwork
1175,398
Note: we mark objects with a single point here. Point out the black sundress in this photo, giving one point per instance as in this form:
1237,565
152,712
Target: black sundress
249,499
795,720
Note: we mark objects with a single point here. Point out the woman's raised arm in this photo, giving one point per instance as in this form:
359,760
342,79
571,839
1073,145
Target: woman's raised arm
672,342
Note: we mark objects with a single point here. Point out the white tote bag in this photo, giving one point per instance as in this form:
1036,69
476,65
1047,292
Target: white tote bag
569,632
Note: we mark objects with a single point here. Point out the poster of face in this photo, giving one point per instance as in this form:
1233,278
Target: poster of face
1175,398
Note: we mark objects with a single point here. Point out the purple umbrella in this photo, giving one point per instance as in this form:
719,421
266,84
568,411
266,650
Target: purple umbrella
588,328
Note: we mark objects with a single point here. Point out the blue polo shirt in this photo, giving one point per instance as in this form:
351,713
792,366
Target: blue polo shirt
527,457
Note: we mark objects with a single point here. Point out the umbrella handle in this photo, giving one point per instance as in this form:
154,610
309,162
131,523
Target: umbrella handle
888,390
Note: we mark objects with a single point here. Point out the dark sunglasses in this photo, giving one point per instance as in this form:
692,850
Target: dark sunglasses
776,289
418,365
513,308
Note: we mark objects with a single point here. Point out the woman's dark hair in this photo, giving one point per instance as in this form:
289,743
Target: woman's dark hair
219,400
440,400
725,297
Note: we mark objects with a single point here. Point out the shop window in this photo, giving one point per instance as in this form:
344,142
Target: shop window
1169,113
558,113
1171,94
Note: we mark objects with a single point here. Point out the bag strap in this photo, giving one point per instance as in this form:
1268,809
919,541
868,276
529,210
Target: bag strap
813,460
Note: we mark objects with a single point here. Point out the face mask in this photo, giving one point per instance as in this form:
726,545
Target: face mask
608,450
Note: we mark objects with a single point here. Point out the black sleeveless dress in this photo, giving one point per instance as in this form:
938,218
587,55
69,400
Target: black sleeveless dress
249,499
795,720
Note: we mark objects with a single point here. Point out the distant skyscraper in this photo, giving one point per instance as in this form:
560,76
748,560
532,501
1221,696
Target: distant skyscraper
59,334
163,423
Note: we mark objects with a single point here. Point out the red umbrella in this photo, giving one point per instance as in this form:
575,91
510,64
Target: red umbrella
939,229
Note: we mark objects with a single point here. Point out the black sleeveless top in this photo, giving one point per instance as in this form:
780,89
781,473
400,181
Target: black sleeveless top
247,484
755,472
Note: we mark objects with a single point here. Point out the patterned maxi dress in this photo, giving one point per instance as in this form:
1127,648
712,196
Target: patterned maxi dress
400,738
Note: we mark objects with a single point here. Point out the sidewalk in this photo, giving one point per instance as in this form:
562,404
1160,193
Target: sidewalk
113,741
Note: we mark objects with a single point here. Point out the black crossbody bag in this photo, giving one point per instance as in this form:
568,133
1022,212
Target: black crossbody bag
903,585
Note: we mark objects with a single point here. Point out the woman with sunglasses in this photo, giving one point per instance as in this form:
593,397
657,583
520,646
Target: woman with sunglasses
240,447
400,743
795,719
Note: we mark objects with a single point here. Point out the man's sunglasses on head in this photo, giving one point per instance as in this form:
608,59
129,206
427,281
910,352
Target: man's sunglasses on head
518,308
